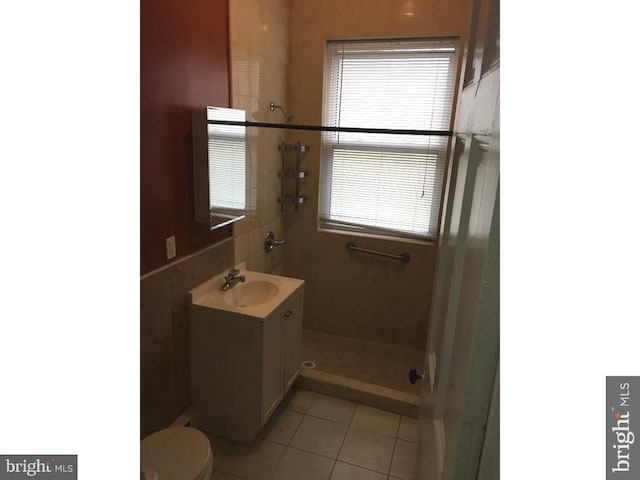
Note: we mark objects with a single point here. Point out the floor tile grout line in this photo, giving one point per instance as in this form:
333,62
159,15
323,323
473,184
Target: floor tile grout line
288,445
375,431
398,429
278,464
305,412
395,445
393,452
333,467
360,466
364,429
297,428
338,455
348,425
327,419
395,435
395,442
312,453
333,421
343,439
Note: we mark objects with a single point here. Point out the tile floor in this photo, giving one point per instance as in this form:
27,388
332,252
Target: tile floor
316,437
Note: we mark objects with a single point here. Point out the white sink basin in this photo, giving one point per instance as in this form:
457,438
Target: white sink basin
256,297
250,293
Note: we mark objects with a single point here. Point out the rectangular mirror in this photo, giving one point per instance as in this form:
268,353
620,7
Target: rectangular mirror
219,167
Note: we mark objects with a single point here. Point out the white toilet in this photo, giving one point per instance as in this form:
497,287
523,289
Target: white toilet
176,453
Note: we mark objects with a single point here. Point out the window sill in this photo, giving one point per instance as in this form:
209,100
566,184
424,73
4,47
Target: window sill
411,241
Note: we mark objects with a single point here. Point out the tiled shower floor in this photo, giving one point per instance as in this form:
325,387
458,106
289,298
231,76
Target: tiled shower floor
371,362
316,437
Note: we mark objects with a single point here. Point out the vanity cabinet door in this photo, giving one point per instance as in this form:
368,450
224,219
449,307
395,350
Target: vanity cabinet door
292,325
281,353
272,346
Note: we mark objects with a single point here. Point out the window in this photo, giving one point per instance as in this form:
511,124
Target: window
227,163
385,184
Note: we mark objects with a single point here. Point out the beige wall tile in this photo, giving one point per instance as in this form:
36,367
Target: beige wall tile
164,319
241,248
259,33
347,294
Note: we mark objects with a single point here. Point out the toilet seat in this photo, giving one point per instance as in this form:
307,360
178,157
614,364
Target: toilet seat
177,453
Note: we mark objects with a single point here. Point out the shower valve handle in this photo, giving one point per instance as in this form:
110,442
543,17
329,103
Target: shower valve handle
414,376
270,242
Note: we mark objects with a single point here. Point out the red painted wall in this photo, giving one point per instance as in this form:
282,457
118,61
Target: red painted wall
184,65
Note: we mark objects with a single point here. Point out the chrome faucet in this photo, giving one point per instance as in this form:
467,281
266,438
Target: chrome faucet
231,279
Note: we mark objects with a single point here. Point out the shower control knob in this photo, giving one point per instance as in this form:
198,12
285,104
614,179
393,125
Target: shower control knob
414,376
270,242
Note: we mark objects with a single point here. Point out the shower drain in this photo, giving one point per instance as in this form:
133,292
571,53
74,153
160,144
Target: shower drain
308,364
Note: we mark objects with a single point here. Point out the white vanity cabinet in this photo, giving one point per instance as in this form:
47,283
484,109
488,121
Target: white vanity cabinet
242,366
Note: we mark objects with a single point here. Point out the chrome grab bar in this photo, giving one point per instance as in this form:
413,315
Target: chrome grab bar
403,257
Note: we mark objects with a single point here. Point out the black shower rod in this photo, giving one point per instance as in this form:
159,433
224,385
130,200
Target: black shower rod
319,128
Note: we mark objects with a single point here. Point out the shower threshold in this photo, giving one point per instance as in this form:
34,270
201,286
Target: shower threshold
371,373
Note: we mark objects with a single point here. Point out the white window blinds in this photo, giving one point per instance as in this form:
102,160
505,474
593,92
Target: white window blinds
227,163
380,183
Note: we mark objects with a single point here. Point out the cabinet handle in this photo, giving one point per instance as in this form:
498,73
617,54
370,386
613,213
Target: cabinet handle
288,313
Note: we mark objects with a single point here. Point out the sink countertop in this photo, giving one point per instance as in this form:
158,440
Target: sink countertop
209,295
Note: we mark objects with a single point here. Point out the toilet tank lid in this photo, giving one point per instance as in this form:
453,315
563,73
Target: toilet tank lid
178,453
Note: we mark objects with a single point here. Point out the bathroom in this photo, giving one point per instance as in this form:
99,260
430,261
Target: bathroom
244,54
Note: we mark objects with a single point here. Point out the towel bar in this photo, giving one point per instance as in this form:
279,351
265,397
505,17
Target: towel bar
403,257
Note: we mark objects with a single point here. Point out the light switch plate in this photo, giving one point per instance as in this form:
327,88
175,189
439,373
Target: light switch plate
171,247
